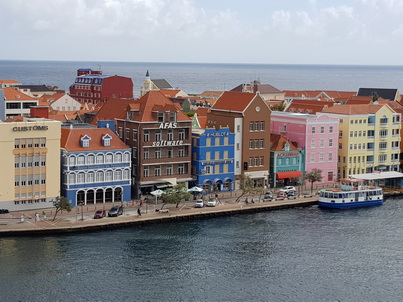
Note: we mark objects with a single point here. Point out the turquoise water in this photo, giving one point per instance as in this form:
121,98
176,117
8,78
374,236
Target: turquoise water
302,254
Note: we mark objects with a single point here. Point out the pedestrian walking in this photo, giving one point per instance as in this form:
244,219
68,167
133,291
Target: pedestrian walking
139,212
37,218
44,215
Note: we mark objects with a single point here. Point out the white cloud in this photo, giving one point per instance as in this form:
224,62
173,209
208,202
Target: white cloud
185,30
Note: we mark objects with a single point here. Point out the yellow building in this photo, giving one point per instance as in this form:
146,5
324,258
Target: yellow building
30,163
369,138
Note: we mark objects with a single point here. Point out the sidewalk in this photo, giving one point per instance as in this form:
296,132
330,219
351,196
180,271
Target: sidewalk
11,225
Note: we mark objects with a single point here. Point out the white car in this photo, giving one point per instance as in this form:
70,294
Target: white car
199,203
288,189
212,203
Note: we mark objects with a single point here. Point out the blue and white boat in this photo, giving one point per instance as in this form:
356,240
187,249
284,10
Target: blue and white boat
352,193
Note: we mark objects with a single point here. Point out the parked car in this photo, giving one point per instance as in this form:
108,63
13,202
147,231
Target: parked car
292,195
212,202
281,195
287,189
115,211
199,203
268,196
99,214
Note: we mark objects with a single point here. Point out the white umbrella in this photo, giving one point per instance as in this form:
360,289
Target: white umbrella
195,189
157,193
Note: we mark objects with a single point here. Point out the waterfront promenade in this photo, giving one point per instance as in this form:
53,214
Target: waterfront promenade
11,224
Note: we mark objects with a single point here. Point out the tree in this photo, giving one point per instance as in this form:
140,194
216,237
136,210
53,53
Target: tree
247,186
278,107
61,203
175,195
313,176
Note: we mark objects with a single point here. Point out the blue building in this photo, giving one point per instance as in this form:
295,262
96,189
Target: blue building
213,159
95,167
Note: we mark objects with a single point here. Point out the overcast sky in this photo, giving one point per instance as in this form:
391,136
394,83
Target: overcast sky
216,31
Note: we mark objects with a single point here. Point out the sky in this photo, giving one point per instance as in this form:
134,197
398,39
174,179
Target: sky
356,32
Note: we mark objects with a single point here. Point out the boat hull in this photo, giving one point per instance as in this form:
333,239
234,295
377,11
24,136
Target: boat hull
346,205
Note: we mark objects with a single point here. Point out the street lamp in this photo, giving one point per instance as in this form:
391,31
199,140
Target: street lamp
81,203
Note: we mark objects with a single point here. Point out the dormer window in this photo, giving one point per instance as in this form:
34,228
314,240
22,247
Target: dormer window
85,141
160,117
172,116
106,140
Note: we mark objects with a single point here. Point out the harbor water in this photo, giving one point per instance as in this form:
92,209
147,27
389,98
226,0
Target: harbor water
300,254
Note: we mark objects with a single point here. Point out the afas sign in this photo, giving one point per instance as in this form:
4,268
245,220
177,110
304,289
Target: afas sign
167,125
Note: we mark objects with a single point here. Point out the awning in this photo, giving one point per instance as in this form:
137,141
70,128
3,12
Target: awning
288,174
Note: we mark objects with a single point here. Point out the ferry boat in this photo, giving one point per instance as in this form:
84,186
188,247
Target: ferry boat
351,194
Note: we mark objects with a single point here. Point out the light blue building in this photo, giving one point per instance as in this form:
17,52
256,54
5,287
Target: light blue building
213,159
286,162
95,167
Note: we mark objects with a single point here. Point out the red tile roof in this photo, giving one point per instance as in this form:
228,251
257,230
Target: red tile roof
154,101
113,108
233,101
9,82
353,109
202,111
170,93
278,142
71,139
13,94
309,106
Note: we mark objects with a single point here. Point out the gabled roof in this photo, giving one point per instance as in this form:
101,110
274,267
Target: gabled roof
278,142
308,106
154,101
202,111
170,93
233,101
71,139
353,109
47,99
314,94
12,94
162,84
10,82
112,108
387,94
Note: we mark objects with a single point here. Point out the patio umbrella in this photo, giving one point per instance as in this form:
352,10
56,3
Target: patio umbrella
195,189
157,193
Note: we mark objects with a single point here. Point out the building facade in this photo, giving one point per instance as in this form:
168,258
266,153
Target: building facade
31,160
92,87
96,166
213,159
286,162
369,138
317,135
159,134
248,116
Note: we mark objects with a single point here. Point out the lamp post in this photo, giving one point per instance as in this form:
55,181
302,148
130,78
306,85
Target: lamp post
81,203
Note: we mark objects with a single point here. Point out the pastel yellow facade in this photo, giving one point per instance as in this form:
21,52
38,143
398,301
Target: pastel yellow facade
369,142
30,163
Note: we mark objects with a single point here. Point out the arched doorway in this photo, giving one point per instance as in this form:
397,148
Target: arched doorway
91,197
108,195
99,196
118,194
217,185
80,197
207,186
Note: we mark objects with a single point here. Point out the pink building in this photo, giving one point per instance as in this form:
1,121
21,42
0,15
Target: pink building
316,134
